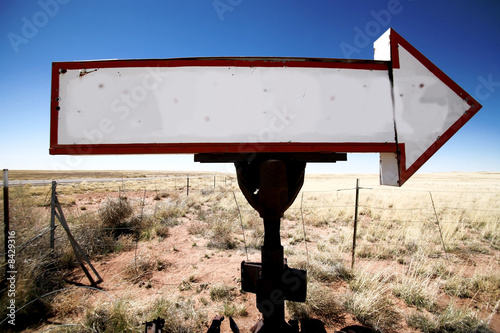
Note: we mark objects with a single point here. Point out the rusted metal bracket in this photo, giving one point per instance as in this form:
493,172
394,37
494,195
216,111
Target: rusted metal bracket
294,285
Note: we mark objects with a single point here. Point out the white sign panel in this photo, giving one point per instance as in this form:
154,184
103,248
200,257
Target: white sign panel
217,105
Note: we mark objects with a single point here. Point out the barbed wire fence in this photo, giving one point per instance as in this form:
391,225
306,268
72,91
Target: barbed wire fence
410,214
376,206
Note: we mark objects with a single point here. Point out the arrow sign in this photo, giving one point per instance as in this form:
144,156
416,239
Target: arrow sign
399,105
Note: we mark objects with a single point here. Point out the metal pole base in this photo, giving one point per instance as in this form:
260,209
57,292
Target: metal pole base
271,186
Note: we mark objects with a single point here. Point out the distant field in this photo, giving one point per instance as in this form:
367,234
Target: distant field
448,180
78,174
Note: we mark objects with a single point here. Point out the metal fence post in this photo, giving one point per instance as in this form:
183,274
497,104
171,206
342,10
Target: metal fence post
53,214
355,224
187,191
437,222
6,217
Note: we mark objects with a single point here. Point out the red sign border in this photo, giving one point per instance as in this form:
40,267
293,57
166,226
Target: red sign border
265,147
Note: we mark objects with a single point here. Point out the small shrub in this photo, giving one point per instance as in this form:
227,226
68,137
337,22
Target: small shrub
114,211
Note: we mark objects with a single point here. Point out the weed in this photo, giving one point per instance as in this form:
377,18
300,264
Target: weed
254,224
197,228
298,237
124,243
170,211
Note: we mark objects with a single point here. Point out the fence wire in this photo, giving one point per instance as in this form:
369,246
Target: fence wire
383,207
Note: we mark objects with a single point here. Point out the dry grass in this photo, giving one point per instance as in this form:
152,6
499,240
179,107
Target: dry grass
369,300
181,315
452,319
398,228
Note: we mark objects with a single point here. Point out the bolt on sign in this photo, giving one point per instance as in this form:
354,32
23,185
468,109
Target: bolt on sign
399,105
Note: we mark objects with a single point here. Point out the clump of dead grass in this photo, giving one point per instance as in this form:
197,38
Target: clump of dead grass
229,309
140,268
114,211
321,302
116,316
369,301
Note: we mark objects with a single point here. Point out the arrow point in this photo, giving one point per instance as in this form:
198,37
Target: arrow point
428,107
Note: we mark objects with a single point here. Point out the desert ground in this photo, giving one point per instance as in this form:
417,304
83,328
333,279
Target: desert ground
427,256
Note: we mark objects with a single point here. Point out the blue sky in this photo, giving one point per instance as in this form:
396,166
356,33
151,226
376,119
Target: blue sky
460,37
